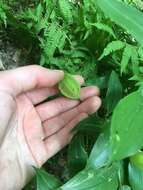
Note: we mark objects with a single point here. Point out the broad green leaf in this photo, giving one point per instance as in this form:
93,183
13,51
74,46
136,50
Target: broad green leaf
112,47
114,92
130,18
46,181
70,87
125,187
127,126
101,151
135,177
77,155
104,178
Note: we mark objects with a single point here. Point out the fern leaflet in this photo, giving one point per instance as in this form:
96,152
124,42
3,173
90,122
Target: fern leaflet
135,61
140,52
66,10
54,37
104,27
126,58
112,47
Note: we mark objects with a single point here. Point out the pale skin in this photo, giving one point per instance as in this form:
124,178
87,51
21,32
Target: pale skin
31,131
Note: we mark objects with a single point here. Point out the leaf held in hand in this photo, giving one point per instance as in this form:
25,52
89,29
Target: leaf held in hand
69,87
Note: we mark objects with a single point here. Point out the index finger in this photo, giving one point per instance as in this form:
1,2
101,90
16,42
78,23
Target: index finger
28,78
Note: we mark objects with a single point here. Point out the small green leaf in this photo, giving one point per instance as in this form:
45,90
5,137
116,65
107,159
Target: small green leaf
70,87
46,181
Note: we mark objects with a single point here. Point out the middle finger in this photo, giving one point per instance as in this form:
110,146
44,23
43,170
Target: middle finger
57,106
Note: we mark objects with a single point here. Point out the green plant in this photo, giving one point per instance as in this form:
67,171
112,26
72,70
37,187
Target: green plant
101,40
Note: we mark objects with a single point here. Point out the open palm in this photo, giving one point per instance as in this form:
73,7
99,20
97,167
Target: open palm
33,131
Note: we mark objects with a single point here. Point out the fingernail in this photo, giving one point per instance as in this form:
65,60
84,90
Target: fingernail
59,72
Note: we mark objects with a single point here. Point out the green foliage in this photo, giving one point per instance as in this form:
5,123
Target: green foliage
101,40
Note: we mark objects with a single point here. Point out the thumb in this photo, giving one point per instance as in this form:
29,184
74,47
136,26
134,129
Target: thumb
27,78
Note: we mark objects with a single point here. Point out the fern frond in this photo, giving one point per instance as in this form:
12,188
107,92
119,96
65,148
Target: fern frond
66,10
105,28
3,16
112,47
54,37
62,40
29,14
130,53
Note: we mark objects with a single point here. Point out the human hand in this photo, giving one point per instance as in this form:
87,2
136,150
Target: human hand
30,131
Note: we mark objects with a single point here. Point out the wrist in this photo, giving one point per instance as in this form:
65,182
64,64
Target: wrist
10,178
14,172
